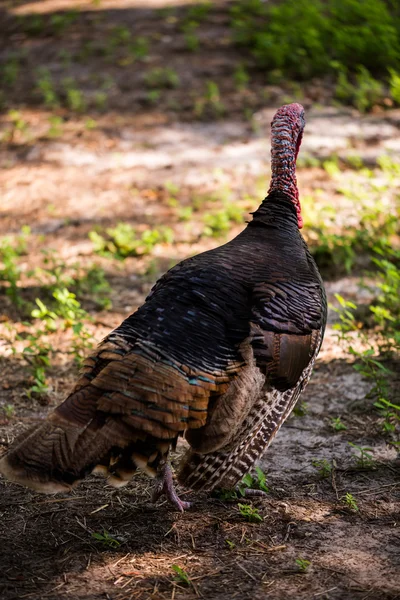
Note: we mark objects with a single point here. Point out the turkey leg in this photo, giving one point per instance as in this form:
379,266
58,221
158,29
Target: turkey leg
164,485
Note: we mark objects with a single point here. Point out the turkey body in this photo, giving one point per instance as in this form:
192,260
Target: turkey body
219,352
219,333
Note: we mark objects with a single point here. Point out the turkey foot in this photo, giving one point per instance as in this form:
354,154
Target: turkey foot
165,485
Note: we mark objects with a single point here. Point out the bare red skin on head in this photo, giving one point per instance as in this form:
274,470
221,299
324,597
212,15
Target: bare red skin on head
287,131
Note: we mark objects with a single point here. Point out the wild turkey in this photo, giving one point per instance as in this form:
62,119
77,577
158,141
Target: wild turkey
219,352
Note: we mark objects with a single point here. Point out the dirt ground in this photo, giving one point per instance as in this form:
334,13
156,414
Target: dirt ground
118,170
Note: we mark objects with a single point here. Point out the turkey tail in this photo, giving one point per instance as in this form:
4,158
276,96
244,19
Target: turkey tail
56,455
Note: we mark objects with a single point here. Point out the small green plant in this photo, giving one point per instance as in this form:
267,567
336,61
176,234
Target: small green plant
56,126
394,85
365,460
46,88
74,98
10,250
250,513
9,411
33,25
161,77
241,78
350,501
123,240
300,409
189,29
365,93
323,467
231,545
60,22
302,564
337,424
10,70
181,575
220,222
100,100
210,103
305,39
259,482
139,48
106,539
18,128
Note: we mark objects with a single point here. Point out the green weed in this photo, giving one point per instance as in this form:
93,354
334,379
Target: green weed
303,39
46,88
302,564
241,78
364,93
10,70
18,126
219,223
123,240
337,424
74,97
10,250
250,513
106,539
181,575
257,482
58,23
210,104
323,467
190,36
161,77
350,501
9,411
365,460
300,409
56,126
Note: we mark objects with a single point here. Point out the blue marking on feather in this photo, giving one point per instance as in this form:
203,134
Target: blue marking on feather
206,379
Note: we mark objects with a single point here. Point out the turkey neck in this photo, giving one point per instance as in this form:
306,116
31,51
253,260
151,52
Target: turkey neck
283,163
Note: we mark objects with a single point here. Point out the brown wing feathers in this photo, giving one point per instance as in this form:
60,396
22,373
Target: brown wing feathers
133,398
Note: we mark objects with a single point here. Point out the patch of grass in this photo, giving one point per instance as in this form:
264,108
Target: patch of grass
18,127
218,223
74,97
161,77
394,85
10,70
372,360
46,88
123,241
364,93
56,126
59,22
210,104
10,250
241,77
302,39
